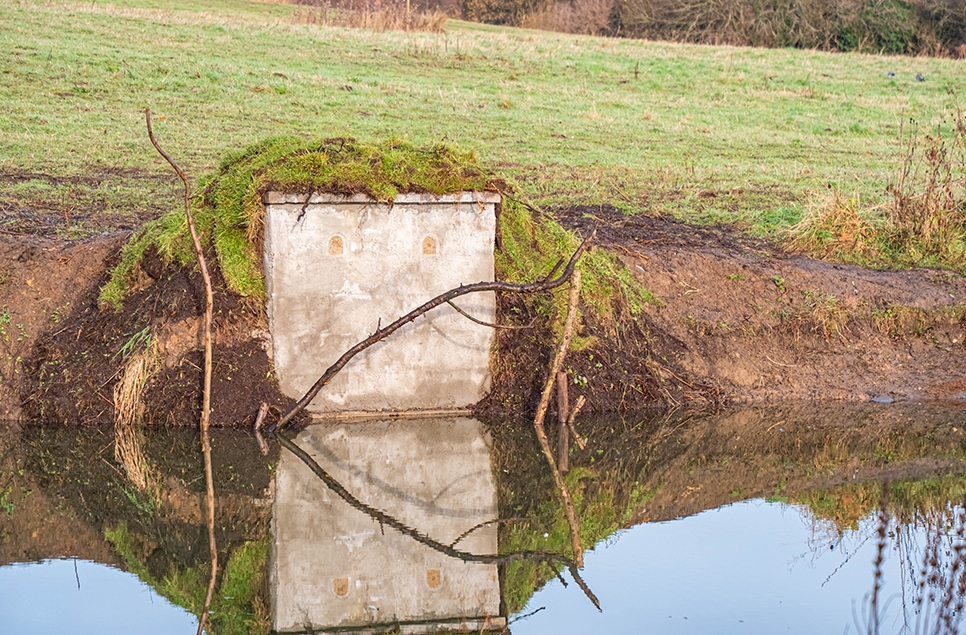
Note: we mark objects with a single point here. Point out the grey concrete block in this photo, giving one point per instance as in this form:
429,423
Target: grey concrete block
336,267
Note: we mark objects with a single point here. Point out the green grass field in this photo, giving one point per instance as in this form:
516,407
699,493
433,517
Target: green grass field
706,133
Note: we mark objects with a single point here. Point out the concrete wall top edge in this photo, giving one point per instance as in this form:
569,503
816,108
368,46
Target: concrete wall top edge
281,198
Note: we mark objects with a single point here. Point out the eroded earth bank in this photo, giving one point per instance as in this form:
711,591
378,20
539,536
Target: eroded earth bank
738,320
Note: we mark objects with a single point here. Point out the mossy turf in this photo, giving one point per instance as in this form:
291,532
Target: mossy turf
228,213
228,208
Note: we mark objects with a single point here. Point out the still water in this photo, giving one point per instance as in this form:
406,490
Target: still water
749,521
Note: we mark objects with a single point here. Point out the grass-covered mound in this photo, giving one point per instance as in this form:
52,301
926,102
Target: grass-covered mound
228,213
228,208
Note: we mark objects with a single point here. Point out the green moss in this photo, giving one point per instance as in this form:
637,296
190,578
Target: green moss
533,243
228,214
228,209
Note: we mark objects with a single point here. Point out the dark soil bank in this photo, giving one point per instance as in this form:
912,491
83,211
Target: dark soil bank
739,321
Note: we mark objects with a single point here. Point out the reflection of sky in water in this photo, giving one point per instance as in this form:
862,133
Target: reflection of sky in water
43,598
752,567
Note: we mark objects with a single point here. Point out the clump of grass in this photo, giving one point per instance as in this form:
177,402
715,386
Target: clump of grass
128,412
923,223
838,229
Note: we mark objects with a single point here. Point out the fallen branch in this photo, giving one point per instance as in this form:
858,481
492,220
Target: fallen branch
385,519
383,332
206,395
562,349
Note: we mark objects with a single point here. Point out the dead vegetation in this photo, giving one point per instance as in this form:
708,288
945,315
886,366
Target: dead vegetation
917,27
922,224
393,15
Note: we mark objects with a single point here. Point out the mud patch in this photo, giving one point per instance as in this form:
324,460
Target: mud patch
71,373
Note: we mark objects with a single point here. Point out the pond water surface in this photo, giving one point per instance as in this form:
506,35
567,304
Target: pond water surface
747,521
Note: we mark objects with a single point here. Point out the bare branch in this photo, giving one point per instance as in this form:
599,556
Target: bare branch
562,349
492,326
384,332
206,398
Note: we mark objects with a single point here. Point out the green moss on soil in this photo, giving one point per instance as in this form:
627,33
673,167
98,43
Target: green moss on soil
228,213
237,607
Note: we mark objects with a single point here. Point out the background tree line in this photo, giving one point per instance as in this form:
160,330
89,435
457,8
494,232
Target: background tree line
916,27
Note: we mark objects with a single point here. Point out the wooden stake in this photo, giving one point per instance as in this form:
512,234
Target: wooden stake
563,432
562,349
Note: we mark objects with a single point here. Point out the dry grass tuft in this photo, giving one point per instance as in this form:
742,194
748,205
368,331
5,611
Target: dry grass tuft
128,411
373,15
836,229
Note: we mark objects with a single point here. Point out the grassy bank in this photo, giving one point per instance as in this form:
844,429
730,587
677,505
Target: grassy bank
707,133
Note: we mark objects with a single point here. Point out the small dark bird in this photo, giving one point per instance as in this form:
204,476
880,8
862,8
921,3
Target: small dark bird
891,74
920,78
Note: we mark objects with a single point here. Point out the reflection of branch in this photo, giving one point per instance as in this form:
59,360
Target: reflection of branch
581,400
384,332
385,519
495,521
206,395
562,349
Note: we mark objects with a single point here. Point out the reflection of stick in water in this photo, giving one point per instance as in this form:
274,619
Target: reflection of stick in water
385,519
562,349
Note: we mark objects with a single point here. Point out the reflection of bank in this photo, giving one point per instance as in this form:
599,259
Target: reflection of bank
334,567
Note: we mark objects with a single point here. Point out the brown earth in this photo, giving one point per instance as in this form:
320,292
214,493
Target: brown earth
739,320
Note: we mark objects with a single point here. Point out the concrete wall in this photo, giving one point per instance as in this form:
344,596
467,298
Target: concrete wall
338,266
334,567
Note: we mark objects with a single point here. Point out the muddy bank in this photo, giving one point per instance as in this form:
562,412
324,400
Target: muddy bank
739,320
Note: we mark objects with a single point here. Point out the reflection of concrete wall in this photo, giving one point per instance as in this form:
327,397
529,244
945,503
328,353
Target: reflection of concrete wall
333,566
338,266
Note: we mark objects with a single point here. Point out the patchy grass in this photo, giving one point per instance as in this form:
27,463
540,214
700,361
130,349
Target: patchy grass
710,134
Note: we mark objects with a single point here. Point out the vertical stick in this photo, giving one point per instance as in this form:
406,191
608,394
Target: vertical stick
562,349
206,395
563,433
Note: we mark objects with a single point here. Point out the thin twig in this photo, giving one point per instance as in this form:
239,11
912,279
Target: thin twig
206,395
384,332
492,326
495,521
562,349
